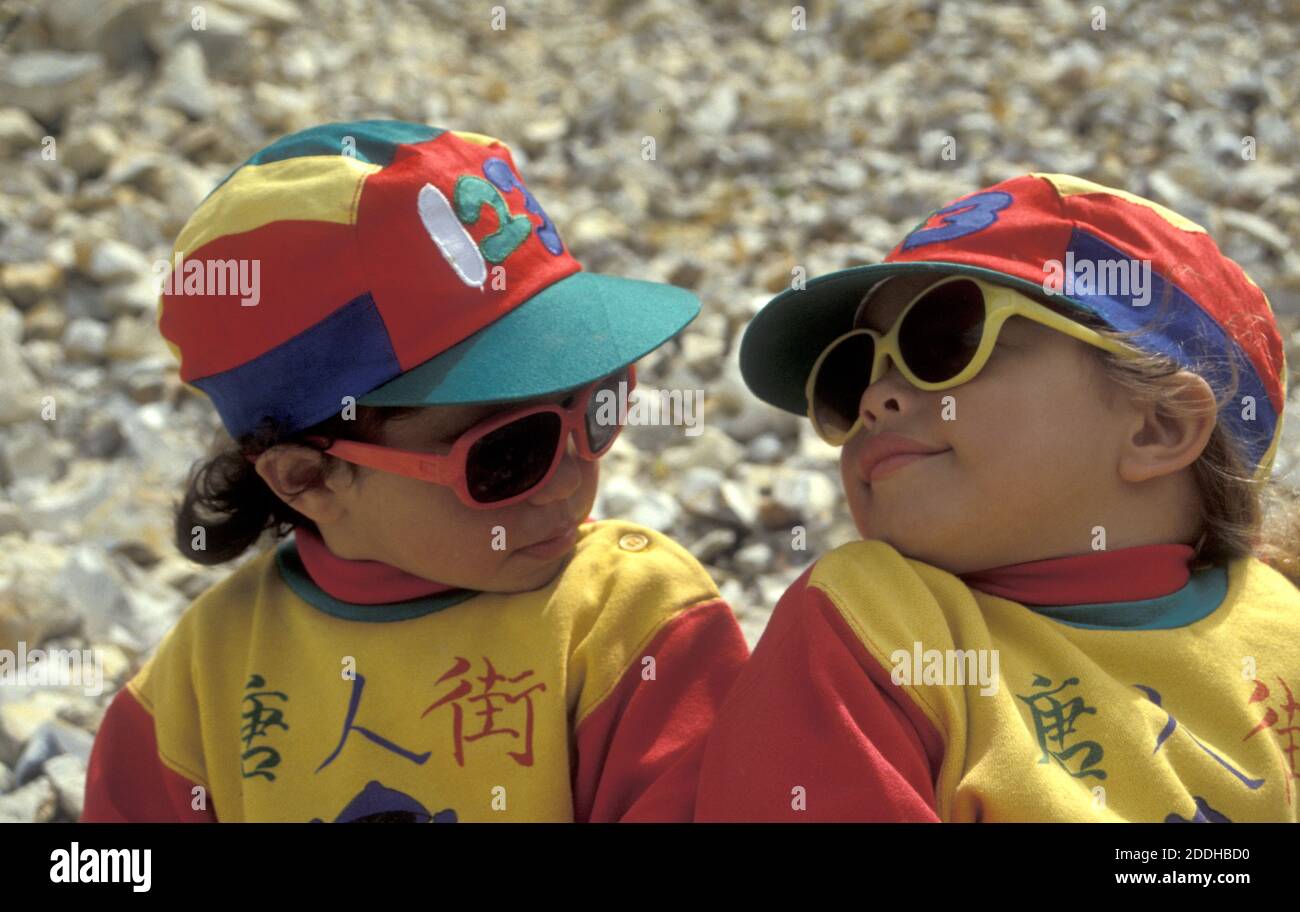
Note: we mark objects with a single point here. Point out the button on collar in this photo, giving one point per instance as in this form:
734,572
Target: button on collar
633,541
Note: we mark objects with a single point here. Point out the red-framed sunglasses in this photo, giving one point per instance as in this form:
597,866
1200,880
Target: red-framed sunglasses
503,459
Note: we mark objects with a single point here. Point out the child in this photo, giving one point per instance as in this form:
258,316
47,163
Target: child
442,638
1059,611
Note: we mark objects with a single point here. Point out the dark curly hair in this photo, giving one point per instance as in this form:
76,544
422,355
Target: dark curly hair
233,505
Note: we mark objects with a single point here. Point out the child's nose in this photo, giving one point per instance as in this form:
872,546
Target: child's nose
566,479
890,393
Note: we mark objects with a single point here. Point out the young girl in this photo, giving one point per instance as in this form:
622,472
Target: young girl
1058,405
414,380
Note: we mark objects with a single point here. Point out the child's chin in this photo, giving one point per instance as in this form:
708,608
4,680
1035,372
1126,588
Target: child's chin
899,532
529,573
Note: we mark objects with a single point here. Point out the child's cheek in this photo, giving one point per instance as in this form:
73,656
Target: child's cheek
853,488
458,537
849,454
590,481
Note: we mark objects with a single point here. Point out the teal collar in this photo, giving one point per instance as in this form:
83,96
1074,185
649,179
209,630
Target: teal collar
293,572
1204,592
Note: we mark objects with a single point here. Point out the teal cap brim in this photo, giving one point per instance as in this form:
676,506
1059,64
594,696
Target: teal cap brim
583,327
783,340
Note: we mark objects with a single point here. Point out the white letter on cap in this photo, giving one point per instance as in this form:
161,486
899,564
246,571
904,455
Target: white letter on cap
458,248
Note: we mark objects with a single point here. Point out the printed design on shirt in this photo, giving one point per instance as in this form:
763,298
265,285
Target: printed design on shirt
1271,718
501,695
463,691
1055,722
350,726
1204,814
377,803
1171,725
260,717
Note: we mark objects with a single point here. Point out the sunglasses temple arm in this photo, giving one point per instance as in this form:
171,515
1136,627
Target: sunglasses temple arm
436,468
427,466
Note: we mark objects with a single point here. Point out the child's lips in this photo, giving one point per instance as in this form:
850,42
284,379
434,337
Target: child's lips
885,454
556,546
891,464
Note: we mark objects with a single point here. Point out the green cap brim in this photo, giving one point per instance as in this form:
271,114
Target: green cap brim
583,327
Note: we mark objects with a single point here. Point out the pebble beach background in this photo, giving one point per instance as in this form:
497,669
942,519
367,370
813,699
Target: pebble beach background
776,147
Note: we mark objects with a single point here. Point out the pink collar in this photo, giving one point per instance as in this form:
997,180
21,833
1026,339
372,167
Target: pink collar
361,582
1129,574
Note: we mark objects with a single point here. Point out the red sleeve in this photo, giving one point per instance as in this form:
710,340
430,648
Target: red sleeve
813,709
638,752
127,782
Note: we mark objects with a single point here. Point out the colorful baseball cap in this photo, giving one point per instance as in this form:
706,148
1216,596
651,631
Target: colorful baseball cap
396,263
1203,310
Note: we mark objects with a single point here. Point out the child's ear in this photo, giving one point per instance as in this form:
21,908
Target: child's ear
290,470
1169,435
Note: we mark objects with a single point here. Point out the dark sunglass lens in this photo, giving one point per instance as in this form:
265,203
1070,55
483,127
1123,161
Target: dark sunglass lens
843,377
512,459
603,410
942,331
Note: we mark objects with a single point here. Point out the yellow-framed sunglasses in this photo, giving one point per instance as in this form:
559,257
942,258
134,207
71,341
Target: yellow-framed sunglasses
941,339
